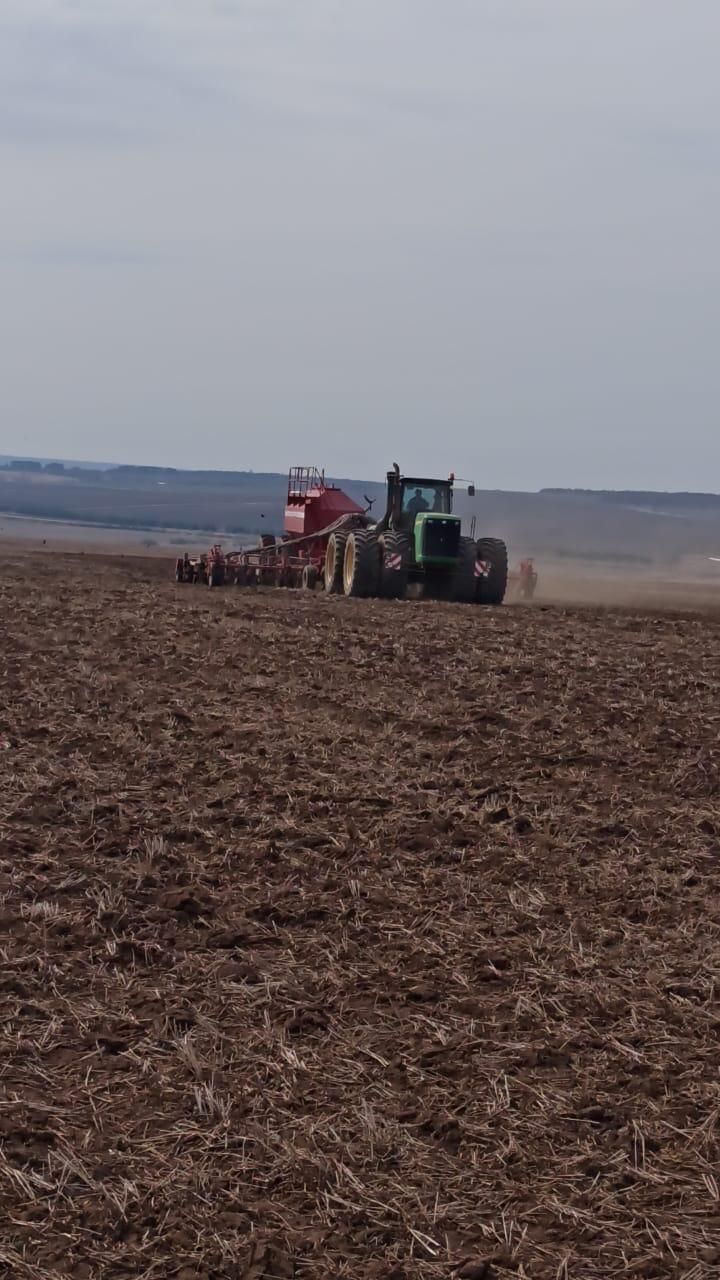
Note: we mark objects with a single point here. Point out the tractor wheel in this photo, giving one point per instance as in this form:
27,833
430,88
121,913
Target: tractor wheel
334,559
216,576
179,571
395,559
492,586
309,577
464,581
361,566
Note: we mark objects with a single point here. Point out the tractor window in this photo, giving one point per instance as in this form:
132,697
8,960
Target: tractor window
426,498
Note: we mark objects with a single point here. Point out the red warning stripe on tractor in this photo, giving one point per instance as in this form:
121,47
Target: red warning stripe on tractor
393,561
482,568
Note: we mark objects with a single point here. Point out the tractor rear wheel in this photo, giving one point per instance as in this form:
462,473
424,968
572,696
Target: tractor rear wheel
361,567
464,581
492,586
334,560
216,576
395,561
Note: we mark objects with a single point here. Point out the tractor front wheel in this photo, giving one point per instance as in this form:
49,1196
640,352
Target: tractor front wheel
309,577
464,581
361,564
395,560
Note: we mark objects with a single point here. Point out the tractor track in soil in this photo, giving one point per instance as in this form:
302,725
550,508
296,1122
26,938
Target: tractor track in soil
354,939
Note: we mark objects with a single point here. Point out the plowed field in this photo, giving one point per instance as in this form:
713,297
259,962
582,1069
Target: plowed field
345,939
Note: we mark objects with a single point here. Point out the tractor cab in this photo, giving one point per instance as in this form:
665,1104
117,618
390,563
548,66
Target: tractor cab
411,496
421,508
419,496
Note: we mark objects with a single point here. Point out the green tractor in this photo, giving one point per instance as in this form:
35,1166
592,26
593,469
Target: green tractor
418,541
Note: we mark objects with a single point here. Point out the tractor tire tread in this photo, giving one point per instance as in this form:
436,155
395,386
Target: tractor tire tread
464,580
491,590
393,582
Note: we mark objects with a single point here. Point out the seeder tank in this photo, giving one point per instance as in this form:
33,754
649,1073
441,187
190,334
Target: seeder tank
313,504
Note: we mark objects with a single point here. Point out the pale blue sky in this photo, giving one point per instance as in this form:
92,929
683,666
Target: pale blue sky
479,234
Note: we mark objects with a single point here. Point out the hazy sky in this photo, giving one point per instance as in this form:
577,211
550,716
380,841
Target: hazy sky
469,234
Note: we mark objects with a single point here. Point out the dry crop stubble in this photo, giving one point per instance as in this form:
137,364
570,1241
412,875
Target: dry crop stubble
351,939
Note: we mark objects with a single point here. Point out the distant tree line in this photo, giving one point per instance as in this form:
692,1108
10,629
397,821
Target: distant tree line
644,497
122,475
29,466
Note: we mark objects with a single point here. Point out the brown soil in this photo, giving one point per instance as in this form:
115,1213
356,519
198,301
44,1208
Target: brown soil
347,939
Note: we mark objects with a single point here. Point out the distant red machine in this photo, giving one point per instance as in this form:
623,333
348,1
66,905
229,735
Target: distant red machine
314,511
523,580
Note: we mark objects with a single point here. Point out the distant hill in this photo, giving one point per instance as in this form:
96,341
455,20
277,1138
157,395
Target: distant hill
633,526
6,458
